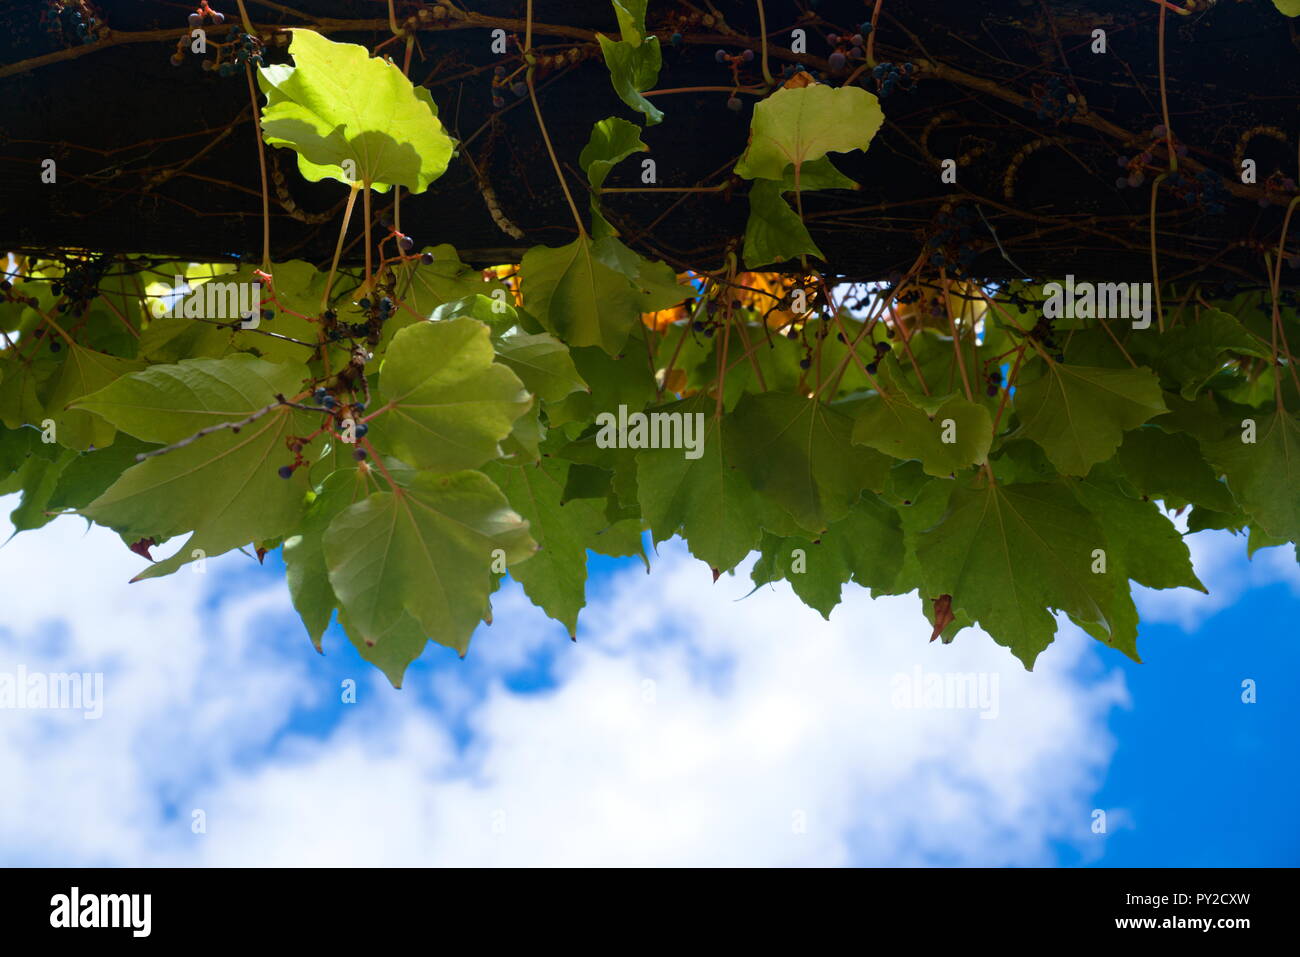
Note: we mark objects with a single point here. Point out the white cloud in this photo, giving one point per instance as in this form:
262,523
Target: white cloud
685,727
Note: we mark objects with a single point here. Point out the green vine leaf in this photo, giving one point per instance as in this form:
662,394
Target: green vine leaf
425,549
713,505
612,140
793,127
866,546
1079,414
543,364
1171,465
352,117
577,297
555,578
796,452
957,436
448,403
1289,8
304,554
633,69
223,486
1007,554
84,372
1264,475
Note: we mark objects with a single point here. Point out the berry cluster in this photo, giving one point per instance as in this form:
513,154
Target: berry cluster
501,80
70,20
953,242
1204,190
247,49
847,48
1045,335
1053,102
888,75
993,382
1136,167
80,284
204,14
882,350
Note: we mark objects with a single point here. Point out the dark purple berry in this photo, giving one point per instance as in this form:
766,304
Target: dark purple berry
285,471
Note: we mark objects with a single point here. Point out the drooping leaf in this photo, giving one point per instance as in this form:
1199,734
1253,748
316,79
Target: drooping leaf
1162,463
577,297
1079,414
344,111
426,549
223,486
796,126
83,372
304,555
449,404
891,424
633,69
1264,475
713,505
866,546
796,452
1008,554
555,578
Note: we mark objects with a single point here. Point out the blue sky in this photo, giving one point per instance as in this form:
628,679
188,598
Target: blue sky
686,726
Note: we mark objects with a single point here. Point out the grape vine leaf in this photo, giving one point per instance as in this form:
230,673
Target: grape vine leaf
425,548
304,555
892,425
1191,353
166,403
223,486
774,232
612,140
797,126
1289,8
542,363
1009,553
1079,414
555,578
631,19
711,503
342,110
1170,464
866,546
449,404
1146,545
1264,475
633,69
577,297
796,452
84,371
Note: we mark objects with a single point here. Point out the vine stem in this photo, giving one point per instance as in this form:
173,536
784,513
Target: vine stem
1164,97
956,336
541,124
280,401
365,205
261,160
871,39
338,247
755,91
1275,282
1155,266
762,29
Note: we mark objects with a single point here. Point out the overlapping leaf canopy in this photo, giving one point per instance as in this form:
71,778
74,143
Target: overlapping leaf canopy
408,456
